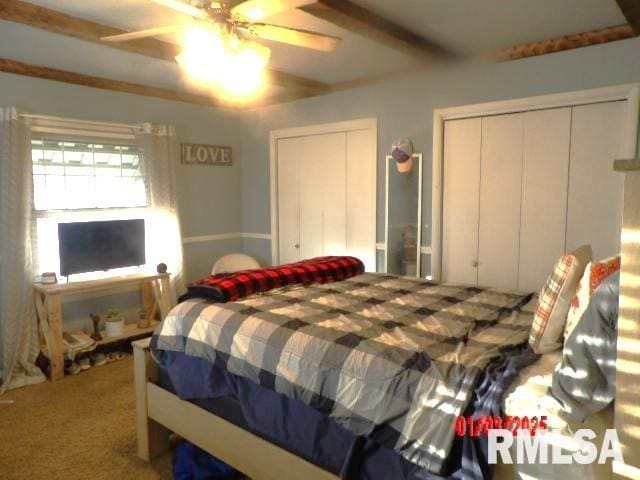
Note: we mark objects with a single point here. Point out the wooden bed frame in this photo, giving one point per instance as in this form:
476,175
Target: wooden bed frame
160,412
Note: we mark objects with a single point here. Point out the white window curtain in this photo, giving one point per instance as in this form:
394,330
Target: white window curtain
19,339
19,342
160,154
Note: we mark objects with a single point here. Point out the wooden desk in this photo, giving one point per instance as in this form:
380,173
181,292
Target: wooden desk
48,300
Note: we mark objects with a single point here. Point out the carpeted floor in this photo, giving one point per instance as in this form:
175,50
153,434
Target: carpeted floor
82,427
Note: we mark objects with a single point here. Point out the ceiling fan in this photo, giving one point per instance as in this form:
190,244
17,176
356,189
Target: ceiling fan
242,20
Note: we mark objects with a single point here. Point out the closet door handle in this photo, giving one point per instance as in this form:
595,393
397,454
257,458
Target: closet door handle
297,245
475,263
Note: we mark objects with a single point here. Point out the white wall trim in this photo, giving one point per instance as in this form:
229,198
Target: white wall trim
320,129
257,236
224,236
626,92
424,250
540,102
211,238
323,128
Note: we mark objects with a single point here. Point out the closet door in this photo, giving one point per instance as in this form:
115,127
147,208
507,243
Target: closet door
289,199
500,194
361,196
329,176
595,190
461,193
312,196
322,195
544,194
326,194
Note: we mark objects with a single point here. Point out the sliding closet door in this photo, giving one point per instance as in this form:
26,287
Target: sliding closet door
500,192
312,196
361,196
461,193
595,190
289,199
544,194
331,180
322,194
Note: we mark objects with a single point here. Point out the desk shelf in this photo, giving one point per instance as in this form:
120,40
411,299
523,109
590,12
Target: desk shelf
130,330
157,296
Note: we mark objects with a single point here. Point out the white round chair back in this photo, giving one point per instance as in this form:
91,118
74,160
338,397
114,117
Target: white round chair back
234,262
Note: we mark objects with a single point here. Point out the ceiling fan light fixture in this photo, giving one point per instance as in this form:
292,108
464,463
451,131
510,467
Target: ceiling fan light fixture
236,88
203,53
224,62
253,56
243,76
254,14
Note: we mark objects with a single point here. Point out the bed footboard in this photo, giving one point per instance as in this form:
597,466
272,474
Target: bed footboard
153,438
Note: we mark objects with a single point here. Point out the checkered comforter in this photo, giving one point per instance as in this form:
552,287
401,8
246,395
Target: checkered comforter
392,358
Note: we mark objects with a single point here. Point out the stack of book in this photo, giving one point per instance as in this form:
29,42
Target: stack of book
77,342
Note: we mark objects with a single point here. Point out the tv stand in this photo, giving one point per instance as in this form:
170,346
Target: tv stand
48,300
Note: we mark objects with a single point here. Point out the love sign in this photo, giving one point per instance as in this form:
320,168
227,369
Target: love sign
206,154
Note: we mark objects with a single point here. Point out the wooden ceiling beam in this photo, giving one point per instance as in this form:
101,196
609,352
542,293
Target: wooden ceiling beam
631,11
21,68
354,18
53,21
61,23
568,42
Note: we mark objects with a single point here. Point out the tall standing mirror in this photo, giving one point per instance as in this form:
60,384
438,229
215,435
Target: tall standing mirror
403,217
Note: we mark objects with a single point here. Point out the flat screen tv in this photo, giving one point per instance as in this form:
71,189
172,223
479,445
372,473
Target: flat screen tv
100,246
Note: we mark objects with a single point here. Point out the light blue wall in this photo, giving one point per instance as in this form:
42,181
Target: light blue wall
404,108
209,197
216,200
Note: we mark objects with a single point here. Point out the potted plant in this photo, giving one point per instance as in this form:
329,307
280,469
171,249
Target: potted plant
114,323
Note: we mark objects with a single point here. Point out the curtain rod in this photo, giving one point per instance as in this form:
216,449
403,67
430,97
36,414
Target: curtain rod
76,120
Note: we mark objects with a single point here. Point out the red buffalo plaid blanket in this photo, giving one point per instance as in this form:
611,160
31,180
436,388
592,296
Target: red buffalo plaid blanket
229,287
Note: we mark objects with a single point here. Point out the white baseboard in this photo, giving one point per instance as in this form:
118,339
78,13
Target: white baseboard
225,236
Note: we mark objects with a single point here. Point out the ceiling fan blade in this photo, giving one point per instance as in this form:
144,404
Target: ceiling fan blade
254,10
150,32
182,7
293,36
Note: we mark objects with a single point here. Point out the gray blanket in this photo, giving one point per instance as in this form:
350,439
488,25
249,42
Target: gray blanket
395,359
585,381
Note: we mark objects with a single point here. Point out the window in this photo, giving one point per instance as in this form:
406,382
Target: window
70,175
81,181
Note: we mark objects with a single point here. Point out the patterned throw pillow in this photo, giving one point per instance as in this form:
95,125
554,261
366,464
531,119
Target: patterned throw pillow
555,299
594,275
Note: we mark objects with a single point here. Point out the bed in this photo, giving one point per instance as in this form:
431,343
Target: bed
160,410
391,359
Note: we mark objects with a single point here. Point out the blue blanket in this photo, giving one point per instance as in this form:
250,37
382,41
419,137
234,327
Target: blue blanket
315,437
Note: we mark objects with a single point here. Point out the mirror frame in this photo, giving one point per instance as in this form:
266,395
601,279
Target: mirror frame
417,158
